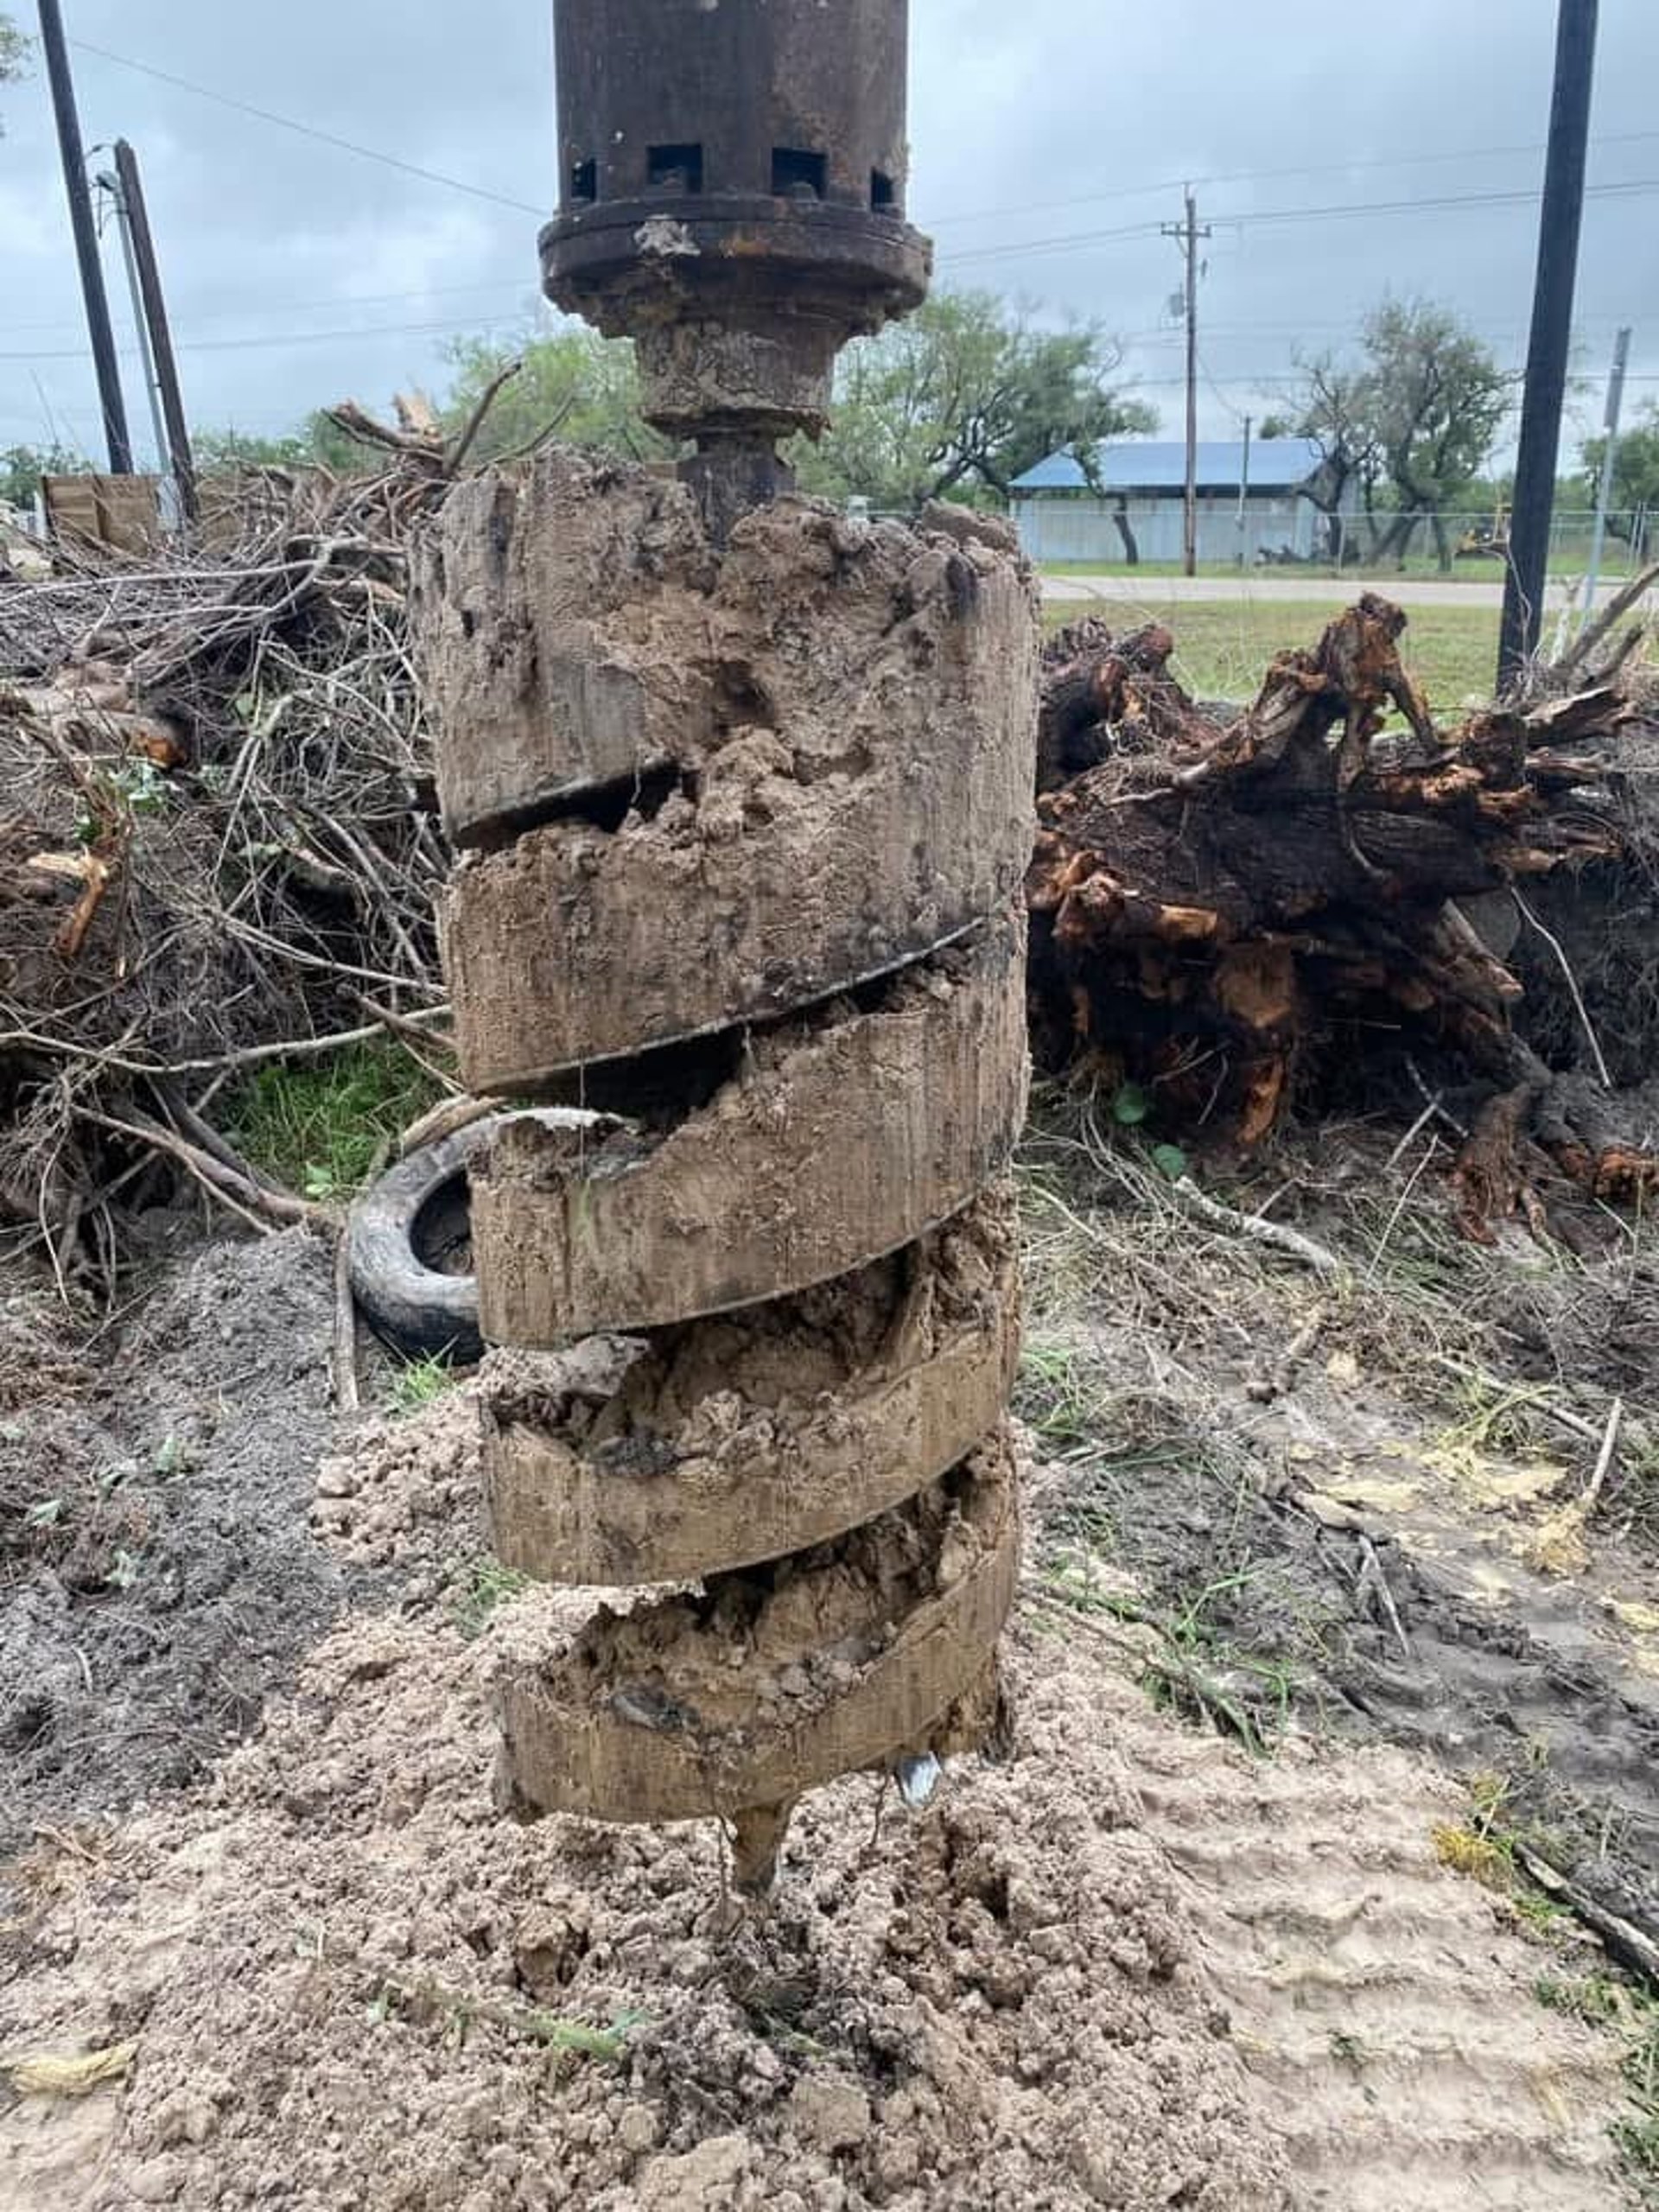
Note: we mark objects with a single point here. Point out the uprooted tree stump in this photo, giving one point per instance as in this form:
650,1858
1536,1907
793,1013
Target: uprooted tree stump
1227,906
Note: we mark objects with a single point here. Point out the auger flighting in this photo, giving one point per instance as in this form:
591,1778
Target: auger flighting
742,788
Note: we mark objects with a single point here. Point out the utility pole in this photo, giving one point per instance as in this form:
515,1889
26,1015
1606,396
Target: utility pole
112,185
1605,488
136,213
80,216
1552,318
1244,493
1187,233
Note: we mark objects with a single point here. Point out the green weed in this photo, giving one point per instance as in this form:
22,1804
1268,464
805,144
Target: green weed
420,1380
123,1570
1056,1395
322,1128
608,2044
1490,1847
1193,1668
483,1585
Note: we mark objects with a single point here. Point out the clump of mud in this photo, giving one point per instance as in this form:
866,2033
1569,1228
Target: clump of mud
344,1973
406,1491
796,1633
630,1402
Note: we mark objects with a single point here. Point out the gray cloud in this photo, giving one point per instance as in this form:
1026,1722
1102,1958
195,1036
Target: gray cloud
300,273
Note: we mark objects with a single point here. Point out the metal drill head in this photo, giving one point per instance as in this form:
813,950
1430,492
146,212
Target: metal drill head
732,199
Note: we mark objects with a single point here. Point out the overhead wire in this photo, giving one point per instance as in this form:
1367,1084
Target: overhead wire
1036,206
1246,219
968,256
274,341
310,130
1260,177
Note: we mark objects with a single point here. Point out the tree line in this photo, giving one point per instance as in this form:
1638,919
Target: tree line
958,401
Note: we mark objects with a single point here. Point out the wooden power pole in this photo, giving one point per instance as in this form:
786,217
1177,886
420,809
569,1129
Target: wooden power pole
56,49
1187,232
160,336
1536,456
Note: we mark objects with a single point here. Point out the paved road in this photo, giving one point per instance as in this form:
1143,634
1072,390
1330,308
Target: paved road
1406,591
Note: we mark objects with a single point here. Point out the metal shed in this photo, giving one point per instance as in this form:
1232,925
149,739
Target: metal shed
1133,510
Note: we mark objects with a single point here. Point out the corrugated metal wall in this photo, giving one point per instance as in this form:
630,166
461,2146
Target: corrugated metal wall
1077,528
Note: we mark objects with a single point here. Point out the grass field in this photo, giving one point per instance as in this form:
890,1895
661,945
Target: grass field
1223,646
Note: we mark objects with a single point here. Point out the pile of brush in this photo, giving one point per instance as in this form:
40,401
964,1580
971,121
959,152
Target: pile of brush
218,842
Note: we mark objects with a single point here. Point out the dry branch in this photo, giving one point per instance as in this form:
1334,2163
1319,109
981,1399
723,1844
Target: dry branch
219,829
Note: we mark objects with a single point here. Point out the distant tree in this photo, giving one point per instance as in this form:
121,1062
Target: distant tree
1435,398
217,452
317,442
1335,411
1411,421
1635,493
575,385
22,468
14,51
962,398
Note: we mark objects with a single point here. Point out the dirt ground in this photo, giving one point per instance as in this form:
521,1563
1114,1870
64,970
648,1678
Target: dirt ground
1290,1652
152,1477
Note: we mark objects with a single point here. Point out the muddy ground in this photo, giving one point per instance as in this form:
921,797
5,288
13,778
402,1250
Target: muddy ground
1308,1621
153,1476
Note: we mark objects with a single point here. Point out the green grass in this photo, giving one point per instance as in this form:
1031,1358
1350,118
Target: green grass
418,1382
1189,1666
1223,646
321,1128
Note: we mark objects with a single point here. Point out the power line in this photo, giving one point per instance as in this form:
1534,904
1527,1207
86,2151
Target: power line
1262,177
1215,389
525,291
274,341
1361,209
971,215
1245,220
1231,176
308,130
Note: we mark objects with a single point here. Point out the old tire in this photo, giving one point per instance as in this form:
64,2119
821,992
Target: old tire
401,1227
416,1306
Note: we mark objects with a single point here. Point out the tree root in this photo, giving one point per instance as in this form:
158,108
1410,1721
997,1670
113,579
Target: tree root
1231,914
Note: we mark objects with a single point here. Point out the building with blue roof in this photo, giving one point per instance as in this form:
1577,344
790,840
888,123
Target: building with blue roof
1255,503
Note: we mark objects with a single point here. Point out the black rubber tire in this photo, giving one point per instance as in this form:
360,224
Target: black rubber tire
417,1309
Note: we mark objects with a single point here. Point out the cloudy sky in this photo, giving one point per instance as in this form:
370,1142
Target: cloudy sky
1050,140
